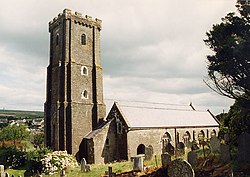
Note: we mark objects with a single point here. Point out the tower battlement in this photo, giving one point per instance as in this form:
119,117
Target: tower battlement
77,18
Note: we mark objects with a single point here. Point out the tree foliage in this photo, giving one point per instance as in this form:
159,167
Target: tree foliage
39,140
229,65
238,120
14,133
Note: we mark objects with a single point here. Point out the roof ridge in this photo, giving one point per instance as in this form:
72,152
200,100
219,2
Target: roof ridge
162,108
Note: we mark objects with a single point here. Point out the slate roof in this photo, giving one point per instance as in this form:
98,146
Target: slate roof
144,115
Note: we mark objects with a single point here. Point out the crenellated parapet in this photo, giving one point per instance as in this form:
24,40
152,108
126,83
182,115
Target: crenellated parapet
76,18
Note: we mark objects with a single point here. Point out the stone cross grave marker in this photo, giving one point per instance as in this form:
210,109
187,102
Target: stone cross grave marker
180,168
192,158
215,144
244,147
225,153
165,159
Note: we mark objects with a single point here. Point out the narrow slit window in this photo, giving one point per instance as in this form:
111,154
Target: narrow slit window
84,70
57,39
83,39
85,94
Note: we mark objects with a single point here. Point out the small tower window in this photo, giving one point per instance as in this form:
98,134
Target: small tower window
57,39
107,142
85,94
84,70
119,127
83,39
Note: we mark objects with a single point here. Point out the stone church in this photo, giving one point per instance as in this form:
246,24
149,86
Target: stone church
76,118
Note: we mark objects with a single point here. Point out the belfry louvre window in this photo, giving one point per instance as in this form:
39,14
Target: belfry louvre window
83,39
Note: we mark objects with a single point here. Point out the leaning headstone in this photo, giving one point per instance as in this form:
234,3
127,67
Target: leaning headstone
188,144
1,170
165,159
225,154
192,158
215,144
169,149
149,152
138,162
244,148
83,165
180,168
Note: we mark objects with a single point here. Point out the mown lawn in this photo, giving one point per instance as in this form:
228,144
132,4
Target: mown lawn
96,170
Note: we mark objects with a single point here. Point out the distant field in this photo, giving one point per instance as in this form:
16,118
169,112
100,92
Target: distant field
16,114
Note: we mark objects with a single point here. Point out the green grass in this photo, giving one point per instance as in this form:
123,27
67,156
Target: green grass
15,172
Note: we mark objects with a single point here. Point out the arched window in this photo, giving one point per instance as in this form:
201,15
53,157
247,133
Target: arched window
141,149
213,133
194,135
84,94
201,135
166,138
186,137
83,39
84,70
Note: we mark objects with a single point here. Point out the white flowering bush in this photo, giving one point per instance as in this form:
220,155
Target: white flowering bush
56,161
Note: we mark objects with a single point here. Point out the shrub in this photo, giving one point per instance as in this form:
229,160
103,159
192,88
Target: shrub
13,158
34,160
56,161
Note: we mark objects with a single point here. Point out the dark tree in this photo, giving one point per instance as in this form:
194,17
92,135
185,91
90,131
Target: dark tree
229,65
238,120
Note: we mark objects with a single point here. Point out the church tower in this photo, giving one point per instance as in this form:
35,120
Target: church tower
74,100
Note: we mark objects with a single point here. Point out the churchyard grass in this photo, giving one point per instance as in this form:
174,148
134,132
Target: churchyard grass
15,172
97,170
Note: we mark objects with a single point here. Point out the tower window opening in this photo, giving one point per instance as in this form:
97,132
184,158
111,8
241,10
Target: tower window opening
107,142
85,94
57,39
83,39
84,70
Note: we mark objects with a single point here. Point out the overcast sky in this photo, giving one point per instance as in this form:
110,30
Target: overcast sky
152,50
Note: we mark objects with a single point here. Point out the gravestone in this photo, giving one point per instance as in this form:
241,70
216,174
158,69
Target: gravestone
169,149
215,144
138,162
181,148
84,166
189,144
1,170
149,152
165,159
244,148
7,175
225,154
192,158
180,168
